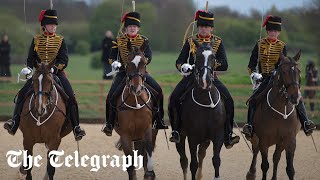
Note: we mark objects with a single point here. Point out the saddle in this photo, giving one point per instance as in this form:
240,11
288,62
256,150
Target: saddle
256,96
190,86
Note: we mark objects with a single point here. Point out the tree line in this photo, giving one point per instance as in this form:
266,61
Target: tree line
163,22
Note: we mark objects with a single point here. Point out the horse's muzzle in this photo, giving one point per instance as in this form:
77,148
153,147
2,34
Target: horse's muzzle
136,90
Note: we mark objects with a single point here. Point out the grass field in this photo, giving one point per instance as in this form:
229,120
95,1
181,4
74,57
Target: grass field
162,68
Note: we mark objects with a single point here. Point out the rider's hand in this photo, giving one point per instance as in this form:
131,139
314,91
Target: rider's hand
256,76
27,71
256,80
186,69
116,65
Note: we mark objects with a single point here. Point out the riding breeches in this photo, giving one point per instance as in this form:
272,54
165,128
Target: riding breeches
175,102
159,98
228,101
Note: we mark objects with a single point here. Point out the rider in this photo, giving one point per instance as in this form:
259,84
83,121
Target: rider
131,24
266,54
205,24
47,47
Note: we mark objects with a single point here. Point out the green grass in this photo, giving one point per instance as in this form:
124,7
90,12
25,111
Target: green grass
162,68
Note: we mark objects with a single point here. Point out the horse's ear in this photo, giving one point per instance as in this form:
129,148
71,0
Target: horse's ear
129,46
37,65
282,57
195,42
297,56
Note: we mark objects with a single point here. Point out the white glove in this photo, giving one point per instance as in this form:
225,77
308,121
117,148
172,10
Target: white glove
116,65
256,80
26,71
255,76
186,69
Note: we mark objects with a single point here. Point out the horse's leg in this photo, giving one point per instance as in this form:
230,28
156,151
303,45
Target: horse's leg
194,158
183,157
265,163
216,160
291,147
149,174
201,154
139,146
251,174
127,147
28,146
276,159
53,144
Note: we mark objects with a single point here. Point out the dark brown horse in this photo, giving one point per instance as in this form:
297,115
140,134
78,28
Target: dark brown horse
276,121
43,116
203,116
134,114
311,81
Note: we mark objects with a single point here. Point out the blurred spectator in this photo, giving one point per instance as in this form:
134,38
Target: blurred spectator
311,80
5,56
106,50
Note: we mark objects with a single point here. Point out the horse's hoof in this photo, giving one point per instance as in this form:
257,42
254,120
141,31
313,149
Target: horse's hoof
251,176
149,175
22,170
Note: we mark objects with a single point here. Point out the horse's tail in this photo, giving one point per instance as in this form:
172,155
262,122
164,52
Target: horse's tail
119,145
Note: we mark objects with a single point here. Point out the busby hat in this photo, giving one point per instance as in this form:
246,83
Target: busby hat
131,18
204,18
272,23
48,16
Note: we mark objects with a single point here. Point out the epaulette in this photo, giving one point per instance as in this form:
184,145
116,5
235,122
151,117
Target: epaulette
281,42
144,37
216,38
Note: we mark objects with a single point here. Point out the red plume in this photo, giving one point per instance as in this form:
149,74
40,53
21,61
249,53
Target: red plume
124,17
266,20
196,16
41,15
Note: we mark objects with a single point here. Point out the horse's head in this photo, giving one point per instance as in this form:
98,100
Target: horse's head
136,69
42,86
204,64
288,77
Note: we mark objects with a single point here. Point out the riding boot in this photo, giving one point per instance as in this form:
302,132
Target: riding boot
12,124
247,129
174,115
159,116
74,117
308,125
110,117
229,141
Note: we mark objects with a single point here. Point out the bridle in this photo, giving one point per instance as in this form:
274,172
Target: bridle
281,84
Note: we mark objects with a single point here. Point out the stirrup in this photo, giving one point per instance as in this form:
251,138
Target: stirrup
308,131
78,133
247,130
9,126
175,137
106,129
231,141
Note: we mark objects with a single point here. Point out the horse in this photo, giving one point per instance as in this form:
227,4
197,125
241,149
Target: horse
135,112
311,75
275,121
43,116
202,115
